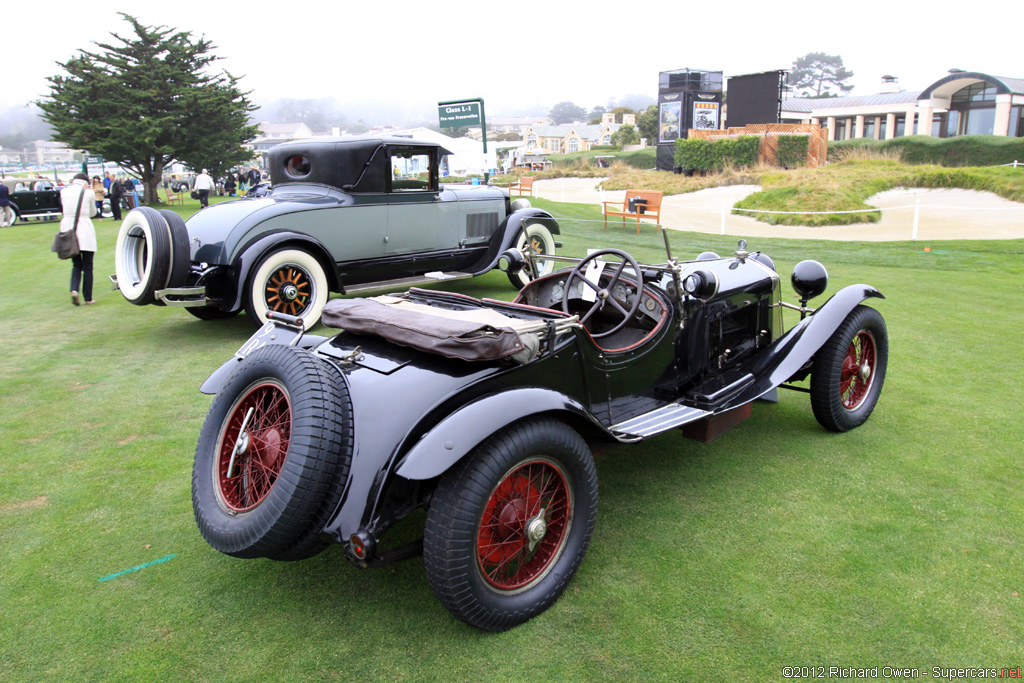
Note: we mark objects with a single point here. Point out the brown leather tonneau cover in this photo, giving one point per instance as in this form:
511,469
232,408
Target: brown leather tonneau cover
444,336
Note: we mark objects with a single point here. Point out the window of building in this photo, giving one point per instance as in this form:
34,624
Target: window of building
881,128
901,126
574,145
974,110
869,128
840,130
1016,122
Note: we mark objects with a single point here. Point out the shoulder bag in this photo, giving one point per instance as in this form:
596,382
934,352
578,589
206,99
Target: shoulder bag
65,243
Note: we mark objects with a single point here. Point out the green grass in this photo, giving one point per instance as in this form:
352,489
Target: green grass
898,544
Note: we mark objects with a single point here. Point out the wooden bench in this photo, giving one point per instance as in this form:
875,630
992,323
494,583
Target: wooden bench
649,210
525,184
173,198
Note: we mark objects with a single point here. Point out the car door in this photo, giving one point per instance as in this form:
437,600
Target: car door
418,220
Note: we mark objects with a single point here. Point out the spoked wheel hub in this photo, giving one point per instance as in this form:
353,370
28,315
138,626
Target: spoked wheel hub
253,446
858,370
288,290
524,525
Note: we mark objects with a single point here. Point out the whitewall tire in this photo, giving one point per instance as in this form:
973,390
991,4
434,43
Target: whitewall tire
289,281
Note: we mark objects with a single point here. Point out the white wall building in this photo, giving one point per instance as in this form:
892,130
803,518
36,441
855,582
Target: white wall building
962,103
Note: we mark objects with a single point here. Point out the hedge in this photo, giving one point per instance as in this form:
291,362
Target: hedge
700,154
962,150
792,150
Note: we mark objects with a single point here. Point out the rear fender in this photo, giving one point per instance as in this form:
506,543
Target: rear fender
459,433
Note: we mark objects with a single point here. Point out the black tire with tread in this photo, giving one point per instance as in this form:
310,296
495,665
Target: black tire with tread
449,544
827,366
285,524
180,258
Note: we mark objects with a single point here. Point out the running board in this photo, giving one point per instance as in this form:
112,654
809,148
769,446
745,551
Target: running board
660,420
406,282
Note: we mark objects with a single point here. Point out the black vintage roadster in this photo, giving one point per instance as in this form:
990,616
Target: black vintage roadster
486,413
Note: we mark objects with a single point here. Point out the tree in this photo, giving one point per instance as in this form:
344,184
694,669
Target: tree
147,101
816,73
647,124
567,112
625,135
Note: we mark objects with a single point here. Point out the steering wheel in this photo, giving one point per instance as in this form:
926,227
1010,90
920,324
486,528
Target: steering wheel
604,295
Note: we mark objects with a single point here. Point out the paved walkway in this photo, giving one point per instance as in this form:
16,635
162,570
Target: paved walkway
944,214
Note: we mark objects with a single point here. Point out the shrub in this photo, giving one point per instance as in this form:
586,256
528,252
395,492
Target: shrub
700,154
963,150
792,150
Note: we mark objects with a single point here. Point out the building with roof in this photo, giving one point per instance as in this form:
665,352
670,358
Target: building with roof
961,103
575,137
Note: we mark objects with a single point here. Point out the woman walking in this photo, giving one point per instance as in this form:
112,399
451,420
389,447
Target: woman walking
78,200
99,192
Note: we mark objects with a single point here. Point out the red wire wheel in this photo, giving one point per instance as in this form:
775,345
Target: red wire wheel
509,525
253,446
848,371
288,290
524,525
858,370
273,455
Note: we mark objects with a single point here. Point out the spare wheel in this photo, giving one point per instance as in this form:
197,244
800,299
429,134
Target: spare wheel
142,256
273,455
180,254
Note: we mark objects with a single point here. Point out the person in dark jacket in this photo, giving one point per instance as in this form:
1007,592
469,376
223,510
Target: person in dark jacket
116,197
6,212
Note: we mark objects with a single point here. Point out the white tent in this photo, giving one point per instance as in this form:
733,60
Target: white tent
467,155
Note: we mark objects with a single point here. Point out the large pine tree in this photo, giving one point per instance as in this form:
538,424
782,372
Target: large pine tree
816,74
149,100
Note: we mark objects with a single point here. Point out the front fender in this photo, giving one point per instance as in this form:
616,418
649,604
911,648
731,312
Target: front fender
793,350
456,435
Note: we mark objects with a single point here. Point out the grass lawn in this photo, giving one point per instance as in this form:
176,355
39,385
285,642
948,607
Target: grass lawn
899,544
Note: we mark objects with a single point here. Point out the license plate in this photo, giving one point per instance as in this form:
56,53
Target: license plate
270,333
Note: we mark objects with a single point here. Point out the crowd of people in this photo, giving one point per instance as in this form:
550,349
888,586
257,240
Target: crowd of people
83,198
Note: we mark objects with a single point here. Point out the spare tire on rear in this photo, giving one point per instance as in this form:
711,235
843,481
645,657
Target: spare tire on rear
273,455
142,256
180,252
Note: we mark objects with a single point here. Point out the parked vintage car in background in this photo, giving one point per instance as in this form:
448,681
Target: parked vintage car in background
345,215
486,413
33,198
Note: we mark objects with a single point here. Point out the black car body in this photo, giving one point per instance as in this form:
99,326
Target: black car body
486,413
345,215
33,198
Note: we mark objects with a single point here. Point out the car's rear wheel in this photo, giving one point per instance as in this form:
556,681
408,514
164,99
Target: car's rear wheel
272,456
509,526
142,255
537,239
849,370
289,281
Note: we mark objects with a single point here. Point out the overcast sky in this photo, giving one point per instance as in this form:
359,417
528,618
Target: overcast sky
516,55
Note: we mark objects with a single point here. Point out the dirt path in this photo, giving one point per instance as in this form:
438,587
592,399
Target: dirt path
943,214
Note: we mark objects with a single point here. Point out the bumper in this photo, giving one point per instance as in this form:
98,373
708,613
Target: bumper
180,297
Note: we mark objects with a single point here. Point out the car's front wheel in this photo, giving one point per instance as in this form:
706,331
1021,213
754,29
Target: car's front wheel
537,239
508,527
289,281
848,371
